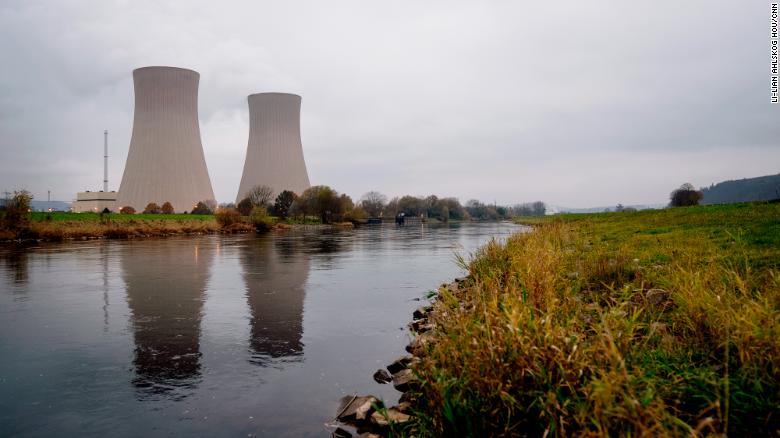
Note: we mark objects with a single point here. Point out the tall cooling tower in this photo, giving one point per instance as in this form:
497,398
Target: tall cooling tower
274,154
165,160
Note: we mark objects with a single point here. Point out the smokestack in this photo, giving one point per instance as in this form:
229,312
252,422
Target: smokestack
165,161
105,160
274,154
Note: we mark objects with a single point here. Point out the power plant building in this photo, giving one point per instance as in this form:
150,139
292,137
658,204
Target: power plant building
165,160
274,155
94,202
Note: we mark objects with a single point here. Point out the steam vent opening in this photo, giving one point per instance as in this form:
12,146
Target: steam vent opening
165,160
274,154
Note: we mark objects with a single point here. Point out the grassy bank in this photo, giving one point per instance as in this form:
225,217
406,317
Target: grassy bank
652,323
62,226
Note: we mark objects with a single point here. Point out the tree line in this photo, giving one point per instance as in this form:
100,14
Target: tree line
328,205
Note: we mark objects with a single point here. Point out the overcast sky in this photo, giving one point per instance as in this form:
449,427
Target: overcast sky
574,103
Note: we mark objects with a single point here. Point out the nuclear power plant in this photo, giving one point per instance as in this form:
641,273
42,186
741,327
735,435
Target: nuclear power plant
274,154
165,161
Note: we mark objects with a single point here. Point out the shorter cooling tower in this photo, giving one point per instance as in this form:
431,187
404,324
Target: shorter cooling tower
274,154
165,161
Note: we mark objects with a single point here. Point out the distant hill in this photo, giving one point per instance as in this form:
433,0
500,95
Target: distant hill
762,188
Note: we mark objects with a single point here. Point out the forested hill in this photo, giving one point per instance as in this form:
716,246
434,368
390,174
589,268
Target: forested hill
762,188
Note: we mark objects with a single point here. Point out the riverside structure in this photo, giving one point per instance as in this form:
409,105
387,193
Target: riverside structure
165,161
274,155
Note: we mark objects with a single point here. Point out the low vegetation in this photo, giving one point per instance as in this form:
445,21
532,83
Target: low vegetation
650,323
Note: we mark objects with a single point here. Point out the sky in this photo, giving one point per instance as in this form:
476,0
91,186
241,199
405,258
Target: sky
577,104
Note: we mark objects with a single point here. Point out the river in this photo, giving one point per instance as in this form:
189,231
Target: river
212,335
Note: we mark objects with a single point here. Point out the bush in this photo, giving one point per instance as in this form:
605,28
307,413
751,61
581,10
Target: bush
260,219
167,208
127,210
17,210
152,208
227,216
245,207
202,208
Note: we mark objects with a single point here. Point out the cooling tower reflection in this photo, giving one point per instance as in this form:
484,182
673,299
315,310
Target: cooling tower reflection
275,271
165,287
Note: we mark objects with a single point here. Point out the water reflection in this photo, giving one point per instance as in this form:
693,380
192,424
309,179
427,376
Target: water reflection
275,271
165,292
16,265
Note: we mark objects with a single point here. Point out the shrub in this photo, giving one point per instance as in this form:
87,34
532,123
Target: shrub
167,208
260,219
245,207
127,210
202,208
227,216
17,210
152,208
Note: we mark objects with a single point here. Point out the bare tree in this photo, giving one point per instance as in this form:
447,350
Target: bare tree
373,203
261,196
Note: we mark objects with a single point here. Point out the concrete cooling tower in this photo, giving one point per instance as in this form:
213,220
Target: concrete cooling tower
165,160
274,154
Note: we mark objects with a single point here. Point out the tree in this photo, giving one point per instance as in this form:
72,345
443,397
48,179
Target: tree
283,203
152,208
17,210
260,196
322,201
245,207
202,208
127,210
685,196
167,208
373,203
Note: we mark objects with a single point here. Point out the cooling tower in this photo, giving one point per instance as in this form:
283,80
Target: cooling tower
165,160
274,155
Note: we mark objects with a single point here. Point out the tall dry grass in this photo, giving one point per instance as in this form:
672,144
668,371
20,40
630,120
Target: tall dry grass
602,326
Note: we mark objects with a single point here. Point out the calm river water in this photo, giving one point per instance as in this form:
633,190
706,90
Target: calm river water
215,335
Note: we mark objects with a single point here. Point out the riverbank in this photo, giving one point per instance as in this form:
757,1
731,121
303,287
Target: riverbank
662,322
59,226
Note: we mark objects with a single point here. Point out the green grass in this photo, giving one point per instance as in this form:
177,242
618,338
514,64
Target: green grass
650,323
97,217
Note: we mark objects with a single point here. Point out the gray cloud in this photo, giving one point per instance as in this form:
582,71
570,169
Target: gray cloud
577,104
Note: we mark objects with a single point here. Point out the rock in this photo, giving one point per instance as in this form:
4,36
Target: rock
405,399
418,345
399,364
354,408
421,325
421,312
404,380
404,406
392,415
381,376
341,433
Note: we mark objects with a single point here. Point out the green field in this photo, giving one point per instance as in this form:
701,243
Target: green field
651,323
97,217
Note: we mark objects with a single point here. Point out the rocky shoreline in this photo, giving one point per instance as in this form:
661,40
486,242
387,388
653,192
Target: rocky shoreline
367,414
